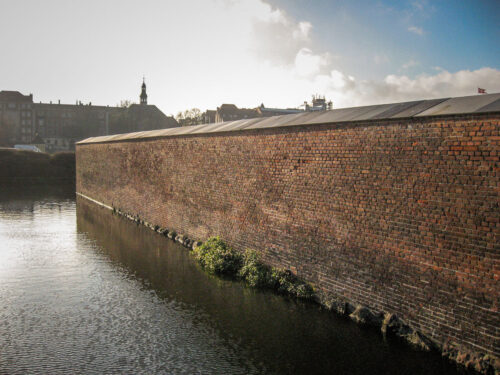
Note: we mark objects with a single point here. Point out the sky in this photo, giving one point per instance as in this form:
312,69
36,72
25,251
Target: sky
202,53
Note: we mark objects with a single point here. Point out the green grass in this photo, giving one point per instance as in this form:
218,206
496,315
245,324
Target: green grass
217,258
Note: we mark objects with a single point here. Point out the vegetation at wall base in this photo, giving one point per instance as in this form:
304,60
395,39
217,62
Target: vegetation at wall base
217,258
253,271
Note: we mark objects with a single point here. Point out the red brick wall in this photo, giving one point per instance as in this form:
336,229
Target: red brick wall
400,216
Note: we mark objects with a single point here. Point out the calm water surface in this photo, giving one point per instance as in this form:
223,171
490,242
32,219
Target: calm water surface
86,292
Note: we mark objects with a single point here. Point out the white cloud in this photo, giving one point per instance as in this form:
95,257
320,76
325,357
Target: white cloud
234,51
417,30
312,72
409,64
423,7
303,31
380,59
290,69
278,38
418,4
267,56
289,73
308,64
396,88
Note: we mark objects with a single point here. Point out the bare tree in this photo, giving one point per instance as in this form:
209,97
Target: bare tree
191,116
125,103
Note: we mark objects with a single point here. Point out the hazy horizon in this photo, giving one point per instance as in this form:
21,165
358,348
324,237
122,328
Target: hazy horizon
206,53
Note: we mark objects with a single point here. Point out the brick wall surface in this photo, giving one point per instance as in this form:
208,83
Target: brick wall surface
401,216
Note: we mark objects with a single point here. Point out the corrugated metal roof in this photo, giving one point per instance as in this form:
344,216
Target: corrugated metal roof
420,108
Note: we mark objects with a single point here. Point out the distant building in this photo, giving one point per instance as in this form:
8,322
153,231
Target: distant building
138,117
230,112
16,118
268,112
144,96
209,116
59,126
318,104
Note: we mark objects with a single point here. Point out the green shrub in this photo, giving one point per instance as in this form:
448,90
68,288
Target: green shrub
281,280
285,282
253,271
303,290
218,258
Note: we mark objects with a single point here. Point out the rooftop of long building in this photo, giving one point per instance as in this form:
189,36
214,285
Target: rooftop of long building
14,96
476,104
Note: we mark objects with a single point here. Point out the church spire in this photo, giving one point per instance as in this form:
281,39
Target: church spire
144,96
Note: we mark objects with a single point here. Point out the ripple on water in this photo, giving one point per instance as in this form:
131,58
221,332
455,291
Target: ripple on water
67,309
92,293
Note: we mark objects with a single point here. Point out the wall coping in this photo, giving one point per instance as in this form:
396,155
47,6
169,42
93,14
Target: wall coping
447,107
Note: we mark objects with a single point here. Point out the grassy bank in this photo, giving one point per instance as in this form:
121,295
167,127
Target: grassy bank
25,167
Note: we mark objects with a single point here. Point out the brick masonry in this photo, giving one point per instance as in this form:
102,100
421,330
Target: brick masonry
401,216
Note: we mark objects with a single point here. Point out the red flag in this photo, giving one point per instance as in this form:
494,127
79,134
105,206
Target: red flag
481,91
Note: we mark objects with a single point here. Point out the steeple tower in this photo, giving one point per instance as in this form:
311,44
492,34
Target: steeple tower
144,96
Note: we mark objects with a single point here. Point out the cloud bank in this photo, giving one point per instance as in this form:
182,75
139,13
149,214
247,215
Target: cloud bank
296,64
226,51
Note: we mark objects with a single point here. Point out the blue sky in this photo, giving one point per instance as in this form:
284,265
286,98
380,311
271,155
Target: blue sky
202,53
453,35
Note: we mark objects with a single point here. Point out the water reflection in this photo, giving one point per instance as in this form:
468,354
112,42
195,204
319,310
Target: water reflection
101,295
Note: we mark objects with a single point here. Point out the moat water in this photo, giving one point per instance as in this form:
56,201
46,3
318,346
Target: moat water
86,292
